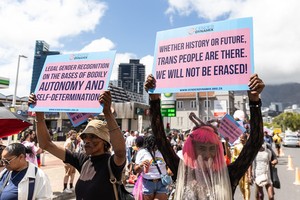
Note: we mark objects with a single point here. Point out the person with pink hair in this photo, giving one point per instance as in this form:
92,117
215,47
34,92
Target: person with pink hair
203,173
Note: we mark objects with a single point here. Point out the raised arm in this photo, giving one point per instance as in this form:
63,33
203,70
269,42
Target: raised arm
116,137
238,168
43,135
157,126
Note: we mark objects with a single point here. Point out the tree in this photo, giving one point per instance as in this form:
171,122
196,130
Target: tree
271,125
288,120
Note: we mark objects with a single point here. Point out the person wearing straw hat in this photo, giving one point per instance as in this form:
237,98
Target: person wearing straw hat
98,137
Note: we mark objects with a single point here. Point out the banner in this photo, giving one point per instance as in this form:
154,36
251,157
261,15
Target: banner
73,83
79,118
206,57
230,128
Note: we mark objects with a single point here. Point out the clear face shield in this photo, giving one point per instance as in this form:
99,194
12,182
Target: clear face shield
203,173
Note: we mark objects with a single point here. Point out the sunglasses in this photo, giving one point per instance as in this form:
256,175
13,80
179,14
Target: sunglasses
7,162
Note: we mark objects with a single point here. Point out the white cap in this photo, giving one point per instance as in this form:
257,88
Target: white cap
239,114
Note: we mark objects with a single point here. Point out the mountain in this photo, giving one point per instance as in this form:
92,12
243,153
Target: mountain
288,94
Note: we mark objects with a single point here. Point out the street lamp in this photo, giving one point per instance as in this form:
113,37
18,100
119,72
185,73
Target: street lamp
16,84
15,93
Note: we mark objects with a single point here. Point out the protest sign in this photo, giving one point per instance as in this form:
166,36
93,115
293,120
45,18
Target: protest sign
73,82
79,118
230,128
205,57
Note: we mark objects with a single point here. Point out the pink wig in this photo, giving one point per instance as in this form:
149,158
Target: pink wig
203,134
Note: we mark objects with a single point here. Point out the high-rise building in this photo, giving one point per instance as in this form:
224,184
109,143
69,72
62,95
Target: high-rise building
40,54
131,76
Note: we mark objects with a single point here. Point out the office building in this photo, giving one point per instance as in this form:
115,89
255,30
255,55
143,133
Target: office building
131,76
40,54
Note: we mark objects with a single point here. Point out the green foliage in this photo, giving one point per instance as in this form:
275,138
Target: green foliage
288,120
271,125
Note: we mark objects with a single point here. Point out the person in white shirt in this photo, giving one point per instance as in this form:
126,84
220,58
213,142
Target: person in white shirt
130,142
148,160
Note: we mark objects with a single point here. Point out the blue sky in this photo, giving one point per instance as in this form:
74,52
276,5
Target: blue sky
139,33
130,27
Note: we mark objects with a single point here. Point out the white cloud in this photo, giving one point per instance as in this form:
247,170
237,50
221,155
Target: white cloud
24,22
205,9
148,62
102,44
276,31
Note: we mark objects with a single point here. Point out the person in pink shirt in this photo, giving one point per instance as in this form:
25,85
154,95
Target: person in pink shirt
28,141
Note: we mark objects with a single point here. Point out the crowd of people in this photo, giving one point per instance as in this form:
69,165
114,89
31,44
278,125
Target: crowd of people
203,172
201,163
261,166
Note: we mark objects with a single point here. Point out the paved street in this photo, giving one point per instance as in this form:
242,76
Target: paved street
54,168
288,189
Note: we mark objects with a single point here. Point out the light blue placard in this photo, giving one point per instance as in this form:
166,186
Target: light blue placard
77,93
181,82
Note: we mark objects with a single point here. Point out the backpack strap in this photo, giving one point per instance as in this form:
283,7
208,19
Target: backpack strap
31,185
156,164
113,180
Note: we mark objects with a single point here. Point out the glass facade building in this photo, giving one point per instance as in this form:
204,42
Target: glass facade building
131,76
40,54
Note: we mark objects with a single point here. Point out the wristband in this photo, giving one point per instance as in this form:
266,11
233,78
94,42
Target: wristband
255,104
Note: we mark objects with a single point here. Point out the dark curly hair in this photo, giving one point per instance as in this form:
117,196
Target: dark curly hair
27,134
139,141
150,142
